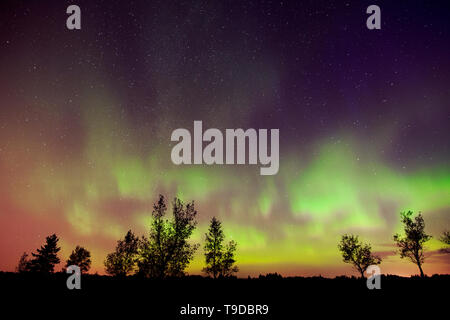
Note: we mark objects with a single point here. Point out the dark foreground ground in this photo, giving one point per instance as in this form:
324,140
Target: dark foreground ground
286,298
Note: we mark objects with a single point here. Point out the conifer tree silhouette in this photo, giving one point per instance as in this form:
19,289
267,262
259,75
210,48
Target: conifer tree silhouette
46,258
219,258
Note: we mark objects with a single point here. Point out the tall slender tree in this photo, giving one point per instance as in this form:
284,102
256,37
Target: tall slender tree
357,253
412,243
46,258
219,258
213,248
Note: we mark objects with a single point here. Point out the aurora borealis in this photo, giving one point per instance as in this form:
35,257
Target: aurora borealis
86,118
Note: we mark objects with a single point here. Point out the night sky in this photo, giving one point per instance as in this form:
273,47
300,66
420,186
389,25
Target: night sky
86,118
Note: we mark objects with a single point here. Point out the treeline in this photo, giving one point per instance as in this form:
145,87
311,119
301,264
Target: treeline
411,245
165,252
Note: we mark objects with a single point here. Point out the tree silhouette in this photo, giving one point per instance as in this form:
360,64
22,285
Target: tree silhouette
46,257
219,258
357,253
270,276
24,263
81,258
445,238
213,248
411,245
167,252
228,261
122,261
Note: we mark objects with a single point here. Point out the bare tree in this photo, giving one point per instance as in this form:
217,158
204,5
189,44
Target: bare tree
357,253
411,245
